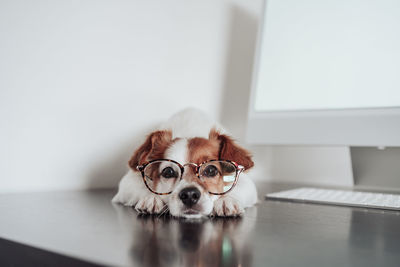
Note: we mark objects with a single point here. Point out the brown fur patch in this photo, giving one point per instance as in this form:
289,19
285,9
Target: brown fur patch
153,148
216,147
201,150
229,150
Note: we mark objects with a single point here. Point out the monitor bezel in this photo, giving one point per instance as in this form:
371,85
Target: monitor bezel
345,127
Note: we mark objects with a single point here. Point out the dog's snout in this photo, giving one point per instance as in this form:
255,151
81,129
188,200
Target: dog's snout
189,196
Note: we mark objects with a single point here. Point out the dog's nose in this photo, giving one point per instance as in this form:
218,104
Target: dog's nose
189,196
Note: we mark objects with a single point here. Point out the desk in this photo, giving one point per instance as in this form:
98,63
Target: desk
87,227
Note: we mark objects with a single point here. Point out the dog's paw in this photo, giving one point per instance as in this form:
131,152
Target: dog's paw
227,206
150,204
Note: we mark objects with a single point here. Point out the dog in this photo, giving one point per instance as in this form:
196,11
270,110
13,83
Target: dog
190,167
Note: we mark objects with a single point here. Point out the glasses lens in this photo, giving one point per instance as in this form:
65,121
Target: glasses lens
161,175
218,176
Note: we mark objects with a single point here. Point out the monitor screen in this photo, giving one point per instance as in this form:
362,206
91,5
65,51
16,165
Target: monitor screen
318,55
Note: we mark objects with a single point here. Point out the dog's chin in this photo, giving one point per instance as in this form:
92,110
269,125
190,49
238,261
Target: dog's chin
190,213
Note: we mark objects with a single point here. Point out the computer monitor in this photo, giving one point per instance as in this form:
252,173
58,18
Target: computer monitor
327,73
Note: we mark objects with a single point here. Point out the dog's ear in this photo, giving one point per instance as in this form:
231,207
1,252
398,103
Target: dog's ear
154,147
229,150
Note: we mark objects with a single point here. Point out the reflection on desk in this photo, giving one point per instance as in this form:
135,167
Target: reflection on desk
170,242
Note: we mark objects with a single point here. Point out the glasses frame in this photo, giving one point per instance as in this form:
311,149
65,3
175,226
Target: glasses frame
238,168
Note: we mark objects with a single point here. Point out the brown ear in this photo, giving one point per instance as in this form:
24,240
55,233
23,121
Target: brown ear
229,150
153,148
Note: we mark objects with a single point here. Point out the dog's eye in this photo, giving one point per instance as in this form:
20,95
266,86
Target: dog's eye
168,172
210,171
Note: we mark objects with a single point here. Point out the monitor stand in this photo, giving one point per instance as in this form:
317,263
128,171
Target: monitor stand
312,165
376,168
368,168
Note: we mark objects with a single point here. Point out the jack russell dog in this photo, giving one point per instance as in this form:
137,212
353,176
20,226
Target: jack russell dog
190,168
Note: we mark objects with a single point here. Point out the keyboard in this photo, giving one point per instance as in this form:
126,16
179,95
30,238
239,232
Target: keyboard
339,197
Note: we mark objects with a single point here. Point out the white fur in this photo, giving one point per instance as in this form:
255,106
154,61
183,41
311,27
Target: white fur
178,151
188,123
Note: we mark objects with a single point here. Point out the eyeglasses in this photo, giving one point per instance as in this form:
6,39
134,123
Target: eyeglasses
218,176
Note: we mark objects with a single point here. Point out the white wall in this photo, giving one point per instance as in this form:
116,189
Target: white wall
82,81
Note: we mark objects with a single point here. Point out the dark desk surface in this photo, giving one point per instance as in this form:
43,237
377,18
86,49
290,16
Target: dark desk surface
87,226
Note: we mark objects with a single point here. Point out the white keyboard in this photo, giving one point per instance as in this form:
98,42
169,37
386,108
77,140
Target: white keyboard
340,197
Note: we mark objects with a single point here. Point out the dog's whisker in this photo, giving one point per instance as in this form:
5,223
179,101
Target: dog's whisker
164,210
162,213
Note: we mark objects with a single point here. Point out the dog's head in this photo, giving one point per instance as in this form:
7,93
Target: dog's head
191,175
